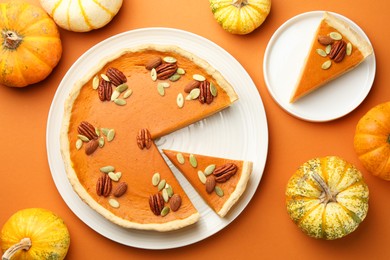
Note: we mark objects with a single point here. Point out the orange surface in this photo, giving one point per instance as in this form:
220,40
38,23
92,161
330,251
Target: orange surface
264,228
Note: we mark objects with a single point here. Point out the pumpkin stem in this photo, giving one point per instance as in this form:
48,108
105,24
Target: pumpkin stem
11,39
329,197
239,3
24,244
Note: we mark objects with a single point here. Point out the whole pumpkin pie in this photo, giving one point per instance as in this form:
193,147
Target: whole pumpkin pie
111,118
336,49
219,181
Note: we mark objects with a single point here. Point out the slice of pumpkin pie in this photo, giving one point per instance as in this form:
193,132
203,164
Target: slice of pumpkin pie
219,181
336,49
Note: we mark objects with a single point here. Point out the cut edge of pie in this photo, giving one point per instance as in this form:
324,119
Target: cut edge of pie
245,169
345,29
64,141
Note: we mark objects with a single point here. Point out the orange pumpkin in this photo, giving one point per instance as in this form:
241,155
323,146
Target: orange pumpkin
372,140
31,45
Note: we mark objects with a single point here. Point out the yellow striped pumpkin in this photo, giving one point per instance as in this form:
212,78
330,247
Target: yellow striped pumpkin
240,16
327,197
81,16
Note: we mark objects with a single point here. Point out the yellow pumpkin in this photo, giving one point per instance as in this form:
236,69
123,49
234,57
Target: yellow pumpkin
31,45
372,140
34,233
82,16
240,16
327,197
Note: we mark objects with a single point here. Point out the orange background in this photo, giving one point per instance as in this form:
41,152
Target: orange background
264,228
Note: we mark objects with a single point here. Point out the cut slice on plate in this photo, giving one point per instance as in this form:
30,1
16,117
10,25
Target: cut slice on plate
219,181
335,50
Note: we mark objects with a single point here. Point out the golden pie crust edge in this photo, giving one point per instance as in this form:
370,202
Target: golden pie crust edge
64,141
239,190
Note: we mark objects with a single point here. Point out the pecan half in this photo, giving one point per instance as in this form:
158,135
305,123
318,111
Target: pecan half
116,76
87,130
156,203
191,85
103,185
144,139
338,51
205,95
325,40
120,189
104,90
224,172
165,70
153,63
91,146
175,202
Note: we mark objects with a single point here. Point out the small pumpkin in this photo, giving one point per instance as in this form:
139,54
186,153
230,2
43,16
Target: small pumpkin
30,44
327,197
372,140
34,233
240,16
81,16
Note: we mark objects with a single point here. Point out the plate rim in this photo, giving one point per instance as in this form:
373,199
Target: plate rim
266,59
62,91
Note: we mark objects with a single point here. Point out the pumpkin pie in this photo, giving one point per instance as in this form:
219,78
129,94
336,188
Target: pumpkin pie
111,119
336,49
219,181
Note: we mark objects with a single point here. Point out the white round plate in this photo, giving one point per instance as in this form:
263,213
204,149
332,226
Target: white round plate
239,132
284,58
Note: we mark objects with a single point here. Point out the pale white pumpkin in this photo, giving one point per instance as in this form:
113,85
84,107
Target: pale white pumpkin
81,16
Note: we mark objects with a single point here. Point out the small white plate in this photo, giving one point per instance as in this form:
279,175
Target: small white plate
284,57
240,132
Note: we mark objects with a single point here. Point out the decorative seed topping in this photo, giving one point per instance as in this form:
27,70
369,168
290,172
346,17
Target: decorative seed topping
335,36
122,87
115,176
161,185
104,76
95,82
110,135
115,94
165,211
120,102
349,49
213,89
128,93
107,169
321,52
328,48
79,144
195,93
180,158
202,177
101,141
156,179
326,65
209,169
83,138
160,90
193,161
165,195
180,100
169,59
153,74
198,77
175,77
113,203
180,71
219,191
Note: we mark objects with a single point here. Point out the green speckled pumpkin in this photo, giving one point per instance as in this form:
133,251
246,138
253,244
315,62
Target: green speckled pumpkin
34,234
327,197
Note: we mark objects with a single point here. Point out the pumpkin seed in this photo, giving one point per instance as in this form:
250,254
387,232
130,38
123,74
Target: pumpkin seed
188,97
113,203
198,77
180,158
180,100
104,76
321,52
169,59
326,65
213,90
335,36
113,176
328,48
155,179
174,77
115,94
105,131
161,185
165,211
83,138
97,131
193,161
120,101
79,144
110,135
180,71
170,191
218,191
209,169
107,169
122,87
101,141
153,74
202,177
164,84
128,93
95,82
160,90
195,93
349,49
165,195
